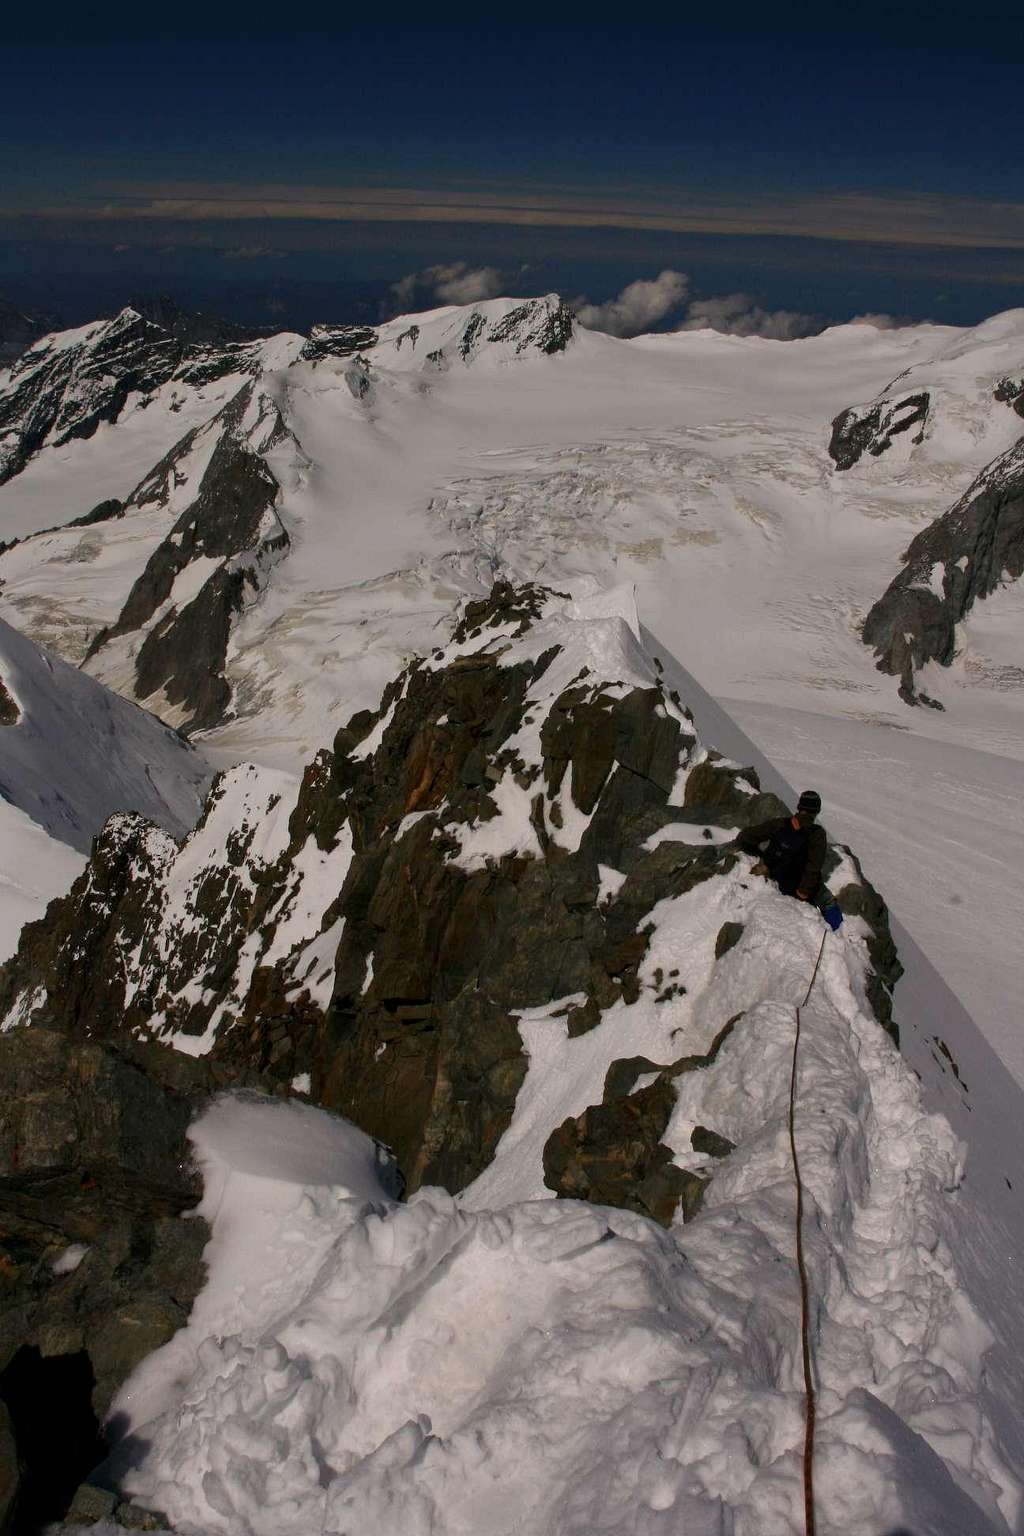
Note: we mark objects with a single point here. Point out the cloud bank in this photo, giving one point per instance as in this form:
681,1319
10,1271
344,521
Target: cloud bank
736,314
253,253
454,282
644,304
638,307
883,322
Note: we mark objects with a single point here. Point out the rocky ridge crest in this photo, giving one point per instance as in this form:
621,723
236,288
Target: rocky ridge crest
67,384
494,838
503,838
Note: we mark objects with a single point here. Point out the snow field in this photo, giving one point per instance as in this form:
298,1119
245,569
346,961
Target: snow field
488,1366
63,483
78,753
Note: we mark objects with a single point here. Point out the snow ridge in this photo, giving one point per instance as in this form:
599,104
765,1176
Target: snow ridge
499,1359
451,1366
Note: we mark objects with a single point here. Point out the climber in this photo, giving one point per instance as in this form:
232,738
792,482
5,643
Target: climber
791,848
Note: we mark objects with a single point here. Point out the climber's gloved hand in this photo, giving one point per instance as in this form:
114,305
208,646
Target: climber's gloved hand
833,915
760,868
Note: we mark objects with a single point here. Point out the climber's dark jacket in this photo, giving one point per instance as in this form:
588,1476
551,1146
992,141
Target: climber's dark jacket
793,855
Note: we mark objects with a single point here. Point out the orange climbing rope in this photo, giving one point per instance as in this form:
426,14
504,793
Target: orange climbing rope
810,1403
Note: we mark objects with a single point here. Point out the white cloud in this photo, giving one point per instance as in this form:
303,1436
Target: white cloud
459,284
639,306
736,314
880,322
454,282
643,304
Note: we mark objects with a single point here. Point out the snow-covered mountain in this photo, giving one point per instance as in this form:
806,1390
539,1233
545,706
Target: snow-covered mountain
502,925
521,743
947,409
394,468
942,405
467,878
391,471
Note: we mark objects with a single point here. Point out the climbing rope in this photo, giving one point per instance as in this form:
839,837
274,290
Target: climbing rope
810,1407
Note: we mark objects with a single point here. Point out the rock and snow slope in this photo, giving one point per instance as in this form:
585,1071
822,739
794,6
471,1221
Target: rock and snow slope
35,869
72,753
501,925
336,934
974,550
695,465
942,406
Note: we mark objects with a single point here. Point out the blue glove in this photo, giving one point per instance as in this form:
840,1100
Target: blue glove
833,915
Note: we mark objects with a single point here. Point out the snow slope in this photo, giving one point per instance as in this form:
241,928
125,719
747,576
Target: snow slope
473,1366
77,752
35,868
695,465
504,1362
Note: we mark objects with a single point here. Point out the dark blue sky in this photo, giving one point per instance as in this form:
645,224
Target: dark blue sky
839,161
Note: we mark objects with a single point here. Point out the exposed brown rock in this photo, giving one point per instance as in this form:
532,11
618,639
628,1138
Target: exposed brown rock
613,1154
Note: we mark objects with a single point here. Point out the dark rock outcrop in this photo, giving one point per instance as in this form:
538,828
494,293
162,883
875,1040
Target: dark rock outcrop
709,1143
231,521
871,428
547,332
540,325
613,1153
9,711
975,546
337,341
1011,392
425,1045
858,898
399,992
97,1268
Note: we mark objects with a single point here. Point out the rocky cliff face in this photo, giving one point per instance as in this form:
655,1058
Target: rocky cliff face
96,1267
66,384
494,839
961,558
1011,392
338,341
506,845
175,624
